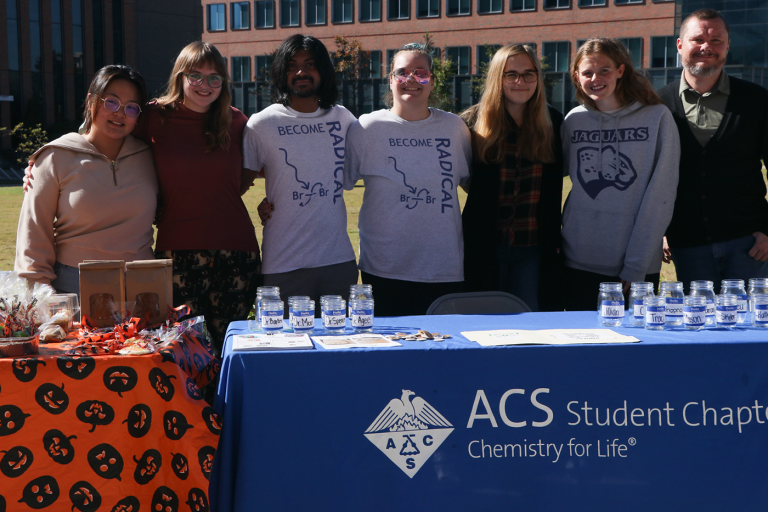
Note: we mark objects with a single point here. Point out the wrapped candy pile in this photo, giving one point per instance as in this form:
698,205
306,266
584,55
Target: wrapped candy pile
18,303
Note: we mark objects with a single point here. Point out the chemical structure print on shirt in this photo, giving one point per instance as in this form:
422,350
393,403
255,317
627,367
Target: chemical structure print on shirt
309,192
597,174
412,201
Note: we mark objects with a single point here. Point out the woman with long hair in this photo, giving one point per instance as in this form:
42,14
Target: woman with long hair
512,215
412,159
196,137
94,195
622,150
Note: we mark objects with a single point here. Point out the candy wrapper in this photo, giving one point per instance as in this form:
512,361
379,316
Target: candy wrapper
19,300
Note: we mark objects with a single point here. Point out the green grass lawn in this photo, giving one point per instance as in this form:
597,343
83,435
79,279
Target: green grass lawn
11,198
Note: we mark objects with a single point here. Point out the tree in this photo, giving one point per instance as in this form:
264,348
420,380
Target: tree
26,140
351,61
443,72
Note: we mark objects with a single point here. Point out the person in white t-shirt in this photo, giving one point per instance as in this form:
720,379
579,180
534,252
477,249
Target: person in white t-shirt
299,143
412,159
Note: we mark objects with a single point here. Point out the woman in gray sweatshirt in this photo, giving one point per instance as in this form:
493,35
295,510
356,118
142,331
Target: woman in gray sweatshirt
622,151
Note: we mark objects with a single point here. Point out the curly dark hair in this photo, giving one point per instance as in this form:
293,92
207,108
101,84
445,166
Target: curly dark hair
327,93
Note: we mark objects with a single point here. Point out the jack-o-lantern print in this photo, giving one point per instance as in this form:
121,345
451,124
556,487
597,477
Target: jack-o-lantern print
193,391
16,461
127,504
186,356
84,497
120,379
168,355
147,466
58,446
41,492
105,461
76,367
25,368
95,413
175,425
205,458
3,505
165,500
162,383
12,419
52,398
180,465
197,500
139,420
199,362
212,420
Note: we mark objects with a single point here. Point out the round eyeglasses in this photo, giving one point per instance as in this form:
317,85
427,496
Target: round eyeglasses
528,77
196,79
132,109
421,75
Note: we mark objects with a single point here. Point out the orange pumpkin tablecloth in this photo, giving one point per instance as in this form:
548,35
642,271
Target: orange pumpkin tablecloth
91,432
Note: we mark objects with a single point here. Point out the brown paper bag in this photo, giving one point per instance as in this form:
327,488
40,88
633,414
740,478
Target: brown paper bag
102,291
146,283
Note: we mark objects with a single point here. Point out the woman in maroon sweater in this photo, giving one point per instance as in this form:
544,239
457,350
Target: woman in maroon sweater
196,137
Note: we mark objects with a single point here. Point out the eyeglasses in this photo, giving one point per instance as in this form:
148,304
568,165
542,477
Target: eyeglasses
196,79
132,109
512,77
421,75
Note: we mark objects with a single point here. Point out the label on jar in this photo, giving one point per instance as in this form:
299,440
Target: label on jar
271,319
674,308
710,307
612,309
334,318
761,314
743,302
303,319
726,315
655,316
638,309
694,316
362,318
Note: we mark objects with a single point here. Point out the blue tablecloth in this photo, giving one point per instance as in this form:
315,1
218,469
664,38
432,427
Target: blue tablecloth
455,426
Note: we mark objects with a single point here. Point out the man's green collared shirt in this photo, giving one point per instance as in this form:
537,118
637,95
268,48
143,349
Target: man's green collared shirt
705,111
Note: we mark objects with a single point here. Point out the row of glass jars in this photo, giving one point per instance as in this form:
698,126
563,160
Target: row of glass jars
733,307
270,310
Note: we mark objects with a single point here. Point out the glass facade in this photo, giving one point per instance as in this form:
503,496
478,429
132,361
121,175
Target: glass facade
118,56
57,45
14,73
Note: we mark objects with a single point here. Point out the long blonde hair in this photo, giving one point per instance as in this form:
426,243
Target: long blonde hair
491,123
219,116
632,86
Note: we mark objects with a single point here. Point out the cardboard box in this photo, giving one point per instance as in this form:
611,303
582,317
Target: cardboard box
147,284
102,291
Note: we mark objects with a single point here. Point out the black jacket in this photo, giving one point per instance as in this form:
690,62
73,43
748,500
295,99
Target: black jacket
721,193
479,220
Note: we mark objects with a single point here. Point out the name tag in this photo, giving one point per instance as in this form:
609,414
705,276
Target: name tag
674,306
726,315
612,309
694,315
639,309
303,319
334,317
362,318
655,316
271,319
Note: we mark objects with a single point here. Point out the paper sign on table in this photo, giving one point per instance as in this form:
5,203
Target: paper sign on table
355,341
279,341
547,337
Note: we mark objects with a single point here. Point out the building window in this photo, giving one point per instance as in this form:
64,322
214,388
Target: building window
399,9
390,56
265,14
241,15
315,12
591,3
459,56
635,48
241,69
484,55
625,2
370,10
459,7
522,5
289,13
557,4
342,11
488,6
263,67
375,69
427,8
556,55
216,18
664,52
57,45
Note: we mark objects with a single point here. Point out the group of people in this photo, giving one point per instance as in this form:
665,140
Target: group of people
684,163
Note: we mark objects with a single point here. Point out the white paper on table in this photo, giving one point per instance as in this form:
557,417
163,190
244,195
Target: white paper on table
547,337
279,341
354,341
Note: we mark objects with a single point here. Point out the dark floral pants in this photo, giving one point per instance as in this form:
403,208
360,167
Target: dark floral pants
218,284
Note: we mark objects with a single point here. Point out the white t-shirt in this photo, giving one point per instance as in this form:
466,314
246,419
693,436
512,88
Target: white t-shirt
410,221
303,160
